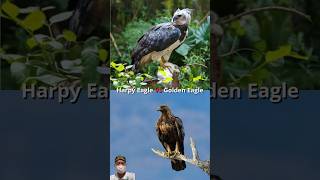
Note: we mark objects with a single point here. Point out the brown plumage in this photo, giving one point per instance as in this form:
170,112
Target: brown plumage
171,135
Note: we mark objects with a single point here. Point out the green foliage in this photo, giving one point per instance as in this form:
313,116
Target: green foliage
267,48
46,59
125,78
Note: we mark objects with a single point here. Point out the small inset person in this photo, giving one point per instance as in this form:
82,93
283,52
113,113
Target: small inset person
121,173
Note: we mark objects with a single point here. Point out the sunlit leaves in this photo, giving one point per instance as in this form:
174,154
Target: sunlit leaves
10,9
283,51
31,42
103,54
34,20
117,67
198,78
69,36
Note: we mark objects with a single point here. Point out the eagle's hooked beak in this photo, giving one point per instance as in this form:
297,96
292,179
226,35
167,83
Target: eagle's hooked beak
159,109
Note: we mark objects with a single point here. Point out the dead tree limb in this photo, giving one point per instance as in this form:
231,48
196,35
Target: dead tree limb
203,165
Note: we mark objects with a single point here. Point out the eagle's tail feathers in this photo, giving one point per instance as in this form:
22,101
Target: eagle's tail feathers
178,165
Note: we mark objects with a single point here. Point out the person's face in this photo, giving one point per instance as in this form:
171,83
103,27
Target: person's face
120,162
120,166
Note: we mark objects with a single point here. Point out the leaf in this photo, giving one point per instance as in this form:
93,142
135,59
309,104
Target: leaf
49,79
69,35
298,56
183,49
260,45
10,9
103,55
162,72
55,44
18,70
167,80
68,64
201,32
196,79
31,42
90,61
60,17
40,37
28,10
118,67
11,57
47,8
278,54
239,30
129,67
34,20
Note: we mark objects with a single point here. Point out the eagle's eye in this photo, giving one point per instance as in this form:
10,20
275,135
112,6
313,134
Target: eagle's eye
179,15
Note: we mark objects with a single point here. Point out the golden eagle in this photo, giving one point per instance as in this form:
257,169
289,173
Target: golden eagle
171,135
159,42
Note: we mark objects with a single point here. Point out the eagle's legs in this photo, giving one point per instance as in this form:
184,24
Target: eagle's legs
168,150
162,62
176,151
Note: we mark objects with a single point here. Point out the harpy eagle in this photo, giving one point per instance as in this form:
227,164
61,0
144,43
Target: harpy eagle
159,42
171,135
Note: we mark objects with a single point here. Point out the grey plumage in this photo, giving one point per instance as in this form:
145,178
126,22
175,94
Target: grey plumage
157,38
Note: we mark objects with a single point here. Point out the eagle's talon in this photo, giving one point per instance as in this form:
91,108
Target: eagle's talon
168,154
176,153
172,154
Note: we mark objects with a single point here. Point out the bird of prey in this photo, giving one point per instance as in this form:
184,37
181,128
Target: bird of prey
171,135
158,43
87,17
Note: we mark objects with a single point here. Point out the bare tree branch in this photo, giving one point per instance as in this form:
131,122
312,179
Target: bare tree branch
269,8
203,165
115,44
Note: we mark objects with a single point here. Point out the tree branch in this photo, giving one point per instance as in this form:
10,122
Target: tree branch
270,8
203,165
115,44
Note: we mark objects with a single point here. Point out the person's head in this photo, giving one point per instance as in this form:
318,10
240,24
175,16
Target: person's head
120,164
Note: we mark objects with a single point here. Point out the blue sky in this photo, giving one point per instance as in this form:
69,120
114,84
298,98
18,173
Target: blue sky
133,119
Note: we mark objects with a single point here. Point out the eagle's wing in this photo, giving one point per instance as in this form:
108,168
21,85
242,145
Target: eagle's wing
158,131
180,130
157,38
160,137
